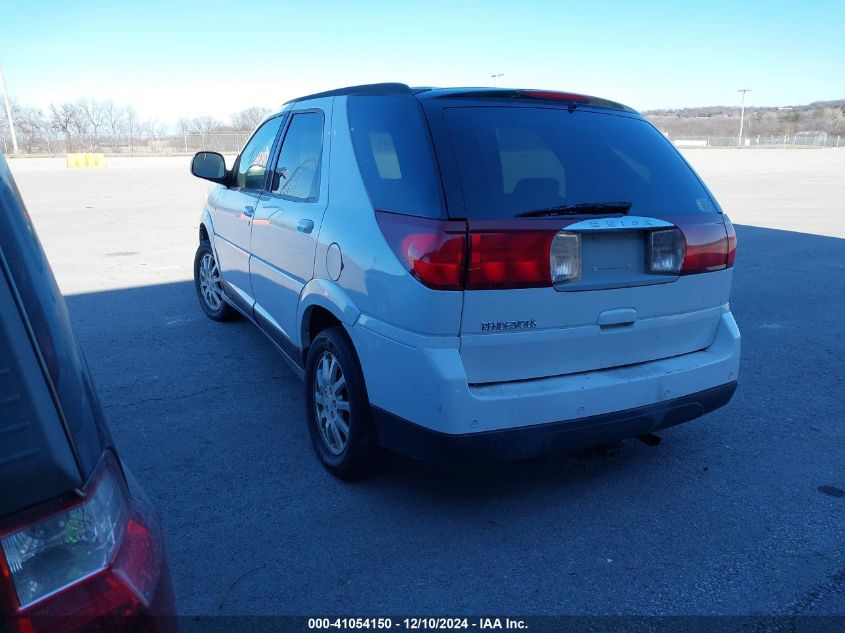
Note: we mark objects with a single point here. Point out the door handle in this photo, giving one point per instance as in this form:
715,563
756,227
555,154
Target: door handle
249,211
305,226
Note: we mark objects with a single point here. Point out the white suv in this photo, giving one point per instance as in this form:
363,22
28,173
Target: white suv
473,273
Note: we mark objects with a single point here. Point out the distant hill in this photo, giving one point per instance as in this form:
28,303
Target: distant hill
819,116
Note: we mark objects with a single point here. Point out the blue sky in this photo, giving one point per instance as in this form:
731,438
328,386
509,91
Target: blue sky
184,58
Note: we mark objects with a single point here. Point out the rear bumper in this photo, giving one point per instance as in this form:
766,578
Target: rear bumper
545,440
422,379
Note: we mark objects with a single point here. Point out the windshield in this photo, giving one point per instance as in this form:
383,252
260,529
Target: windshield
512,160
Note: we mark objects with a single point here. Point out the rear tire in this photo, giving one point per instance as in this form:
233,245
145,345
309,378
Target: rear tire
207,285
337,408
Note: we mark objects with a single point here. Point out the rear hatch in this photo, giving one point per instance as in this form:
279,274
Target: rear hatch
591,243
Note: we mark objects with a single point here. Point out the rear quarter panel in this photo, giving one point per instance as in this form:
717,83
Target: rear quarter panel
372,276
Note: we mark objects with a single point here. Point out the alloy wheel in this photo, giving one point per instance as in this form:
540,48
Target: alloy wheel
331,403
210,289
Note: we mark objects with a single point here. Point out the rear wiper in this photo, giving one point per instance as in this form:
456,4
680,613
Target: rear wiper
581,207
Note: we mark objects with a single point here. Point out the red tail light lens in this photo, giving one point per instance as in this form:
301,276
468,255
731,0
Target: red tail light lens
437,253
93,560
509,259
449,255
431,250
707,248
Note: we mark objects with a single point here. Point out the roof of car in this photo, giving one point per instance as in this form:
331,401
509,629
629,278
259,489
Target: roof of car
427,92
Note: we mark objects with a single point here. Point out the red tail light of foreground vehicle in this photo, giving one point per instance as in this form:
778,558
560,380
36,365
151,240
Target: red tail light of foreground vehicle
449,255
91,564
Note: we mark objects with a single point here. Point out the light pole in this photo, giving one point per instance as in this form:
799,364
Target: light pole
496,78
9,114
742,114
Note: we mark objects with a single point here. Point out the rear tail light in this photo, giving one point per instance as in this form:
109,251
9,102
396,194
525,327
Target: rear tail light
444,255
83,538
566,257
431,250
708,247
509,259
666,251
93,561
449,255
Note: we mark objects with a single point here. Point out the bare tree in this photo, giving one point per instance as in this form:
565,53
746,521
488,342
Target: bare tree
94,117
114,116
835,120
131,125
184,127
4,134
790,123
31,127
66,120
154,131
203,126
247,120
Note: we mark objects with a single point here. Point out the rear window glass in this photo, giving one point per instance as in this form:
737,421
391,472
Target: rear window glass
395,156
516,159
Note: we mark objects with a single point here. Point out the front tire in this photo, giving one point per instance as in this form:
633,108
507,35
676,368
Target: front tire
337,407
207,284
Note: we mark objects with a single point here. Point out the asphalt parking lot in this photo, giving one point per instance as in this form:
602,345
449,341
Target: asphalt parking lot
739,512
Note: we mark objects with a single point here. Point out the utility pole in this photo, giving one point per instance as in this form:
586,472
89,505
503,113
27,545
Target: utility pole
496,78
9,113
742,114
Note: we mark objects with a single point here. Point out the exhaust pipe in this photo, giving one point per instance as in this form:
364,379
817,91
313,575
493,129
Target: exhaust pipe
649,439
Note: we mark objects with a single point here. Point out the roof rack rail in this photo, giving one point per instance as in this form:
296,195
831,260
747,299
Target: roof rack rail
365,89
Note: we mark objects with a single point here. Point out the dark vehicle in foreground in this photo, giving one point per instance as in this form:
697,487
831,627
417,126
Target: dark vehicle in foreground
80,546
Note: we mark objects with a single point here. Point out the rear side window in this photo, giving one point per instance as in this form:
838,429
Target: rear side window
395,156
297,173
516,159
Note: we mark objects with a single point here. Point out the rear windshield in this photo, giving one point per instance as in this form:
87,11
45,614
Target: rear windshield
517,159
395,156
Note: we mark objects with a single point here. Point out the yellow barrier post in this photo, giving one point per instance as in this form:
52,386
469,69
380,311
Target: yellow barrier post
85,159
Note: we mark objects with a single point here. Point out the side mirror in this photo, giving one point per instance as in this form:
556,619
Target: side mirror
210,166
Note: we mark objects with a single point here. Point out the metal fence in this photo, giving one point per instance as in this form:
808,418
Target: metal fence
780,141
232,142
223,142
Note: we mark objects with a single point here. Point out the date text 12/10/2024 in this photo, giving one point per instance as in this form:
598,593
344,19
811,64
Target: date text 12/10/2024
416,623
